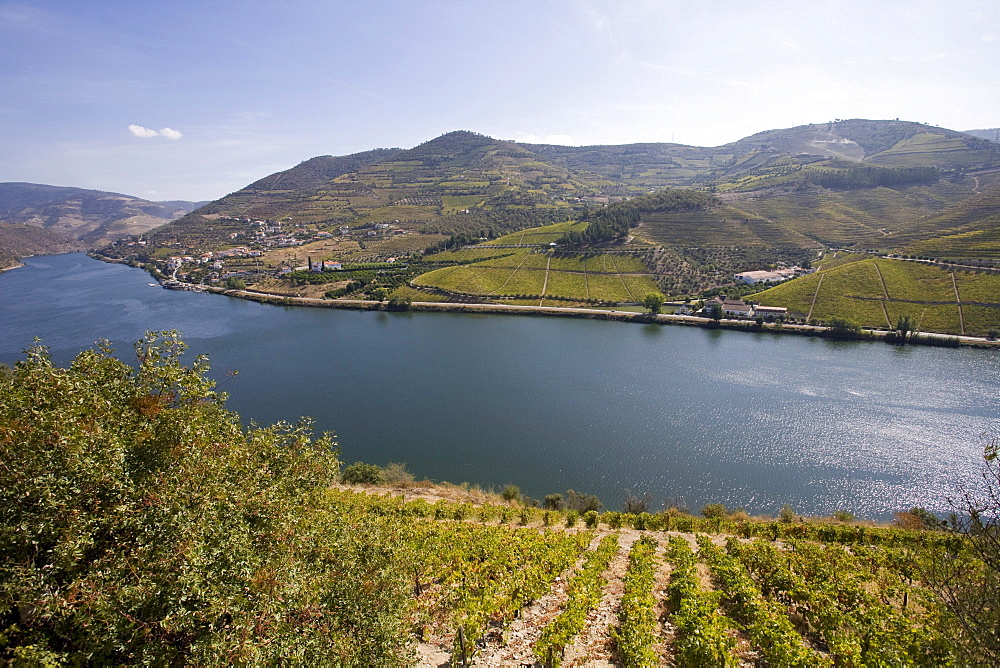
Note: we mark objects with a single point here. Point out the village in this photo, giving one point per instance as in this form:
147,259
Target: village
262,236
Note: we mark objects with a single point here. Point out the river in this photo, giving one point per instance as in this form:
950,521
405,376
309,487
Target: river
687,415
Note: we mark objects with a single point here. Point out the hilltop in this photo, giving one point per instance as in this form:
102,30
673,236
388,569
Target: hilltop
779,197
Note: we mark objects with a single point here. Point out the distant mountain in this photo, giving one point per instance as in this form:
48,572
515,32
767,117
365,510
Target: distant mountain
993,134
92,217
854,182
17,241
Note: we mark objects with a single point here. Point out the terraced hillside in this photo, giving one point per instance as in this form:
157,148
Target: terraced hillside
146,523
465,182
776,197
875,292
536,276
508,585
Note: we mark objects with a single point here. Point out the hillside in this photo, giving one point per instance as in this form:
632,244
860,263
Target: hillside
778,196
875,292
17,241
993,134
92,217
145,523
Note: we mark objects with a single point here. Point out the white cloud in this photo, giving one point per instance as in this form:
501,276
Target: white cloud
146,133
140,131
170,133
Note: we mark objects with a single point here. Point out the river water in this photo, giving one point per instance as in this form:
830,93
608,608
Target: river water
684,414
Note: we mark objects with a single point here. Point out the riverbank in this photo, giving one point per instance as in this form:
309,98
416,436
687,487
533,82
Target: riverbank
17,265
925,338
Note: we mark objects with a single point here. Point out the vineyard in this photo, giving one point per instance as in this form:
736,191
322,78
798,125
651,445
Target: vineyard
496,584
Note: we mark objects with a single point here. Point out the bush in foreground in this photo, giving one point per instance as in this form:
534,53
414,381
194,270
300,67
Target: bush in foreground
140,523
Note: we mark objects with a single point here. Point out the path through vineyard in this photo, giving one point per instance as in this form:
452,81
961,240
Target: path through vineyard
498,584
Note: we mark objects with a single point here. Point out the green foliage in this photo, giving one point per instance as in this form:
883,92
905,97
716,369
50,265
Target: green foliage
905,326
714,510
141,523
764,621
636,632
584,593
872,177
395,473
511,493
235,283
703,637
400,303
582,502
967,581
360,473
842,328
653,301
843,516
553,502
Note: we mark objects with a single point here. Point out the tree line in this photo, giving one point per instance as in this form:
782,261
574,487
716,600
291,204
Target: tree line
872,177
614,222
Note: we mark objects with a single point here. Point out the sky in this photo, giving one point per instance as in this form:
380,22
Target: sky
191,100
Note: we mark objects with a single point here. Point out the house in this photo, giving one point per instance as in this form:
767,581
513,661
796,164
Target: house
772,312
779,274
731,308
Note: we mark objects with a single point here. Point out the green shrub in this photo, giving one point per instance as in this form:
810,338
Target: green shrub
714,510
143,524
511,493
360,473
396,474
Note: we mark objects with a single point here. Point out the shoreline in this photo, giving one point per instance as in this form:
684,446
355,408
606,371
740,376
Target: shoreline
936,339
929,338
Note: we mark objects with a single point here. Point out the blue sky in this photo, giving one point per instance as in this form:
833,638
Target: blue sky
192,100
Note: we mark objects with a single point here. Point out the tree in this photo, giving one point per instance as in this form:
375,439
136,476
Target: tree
582,502
715,312
653,301
400,303
380,294
905,328
360,473
236,283
637,504
142,523
553,502
716,510
842,328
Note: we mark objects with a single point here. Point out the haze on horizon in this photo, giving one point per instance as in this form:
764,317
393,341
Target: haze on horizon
195,99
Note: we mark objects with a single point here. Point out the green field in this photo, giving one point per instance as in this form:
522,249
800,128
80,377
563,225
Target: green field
541,235
924,292
565,277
